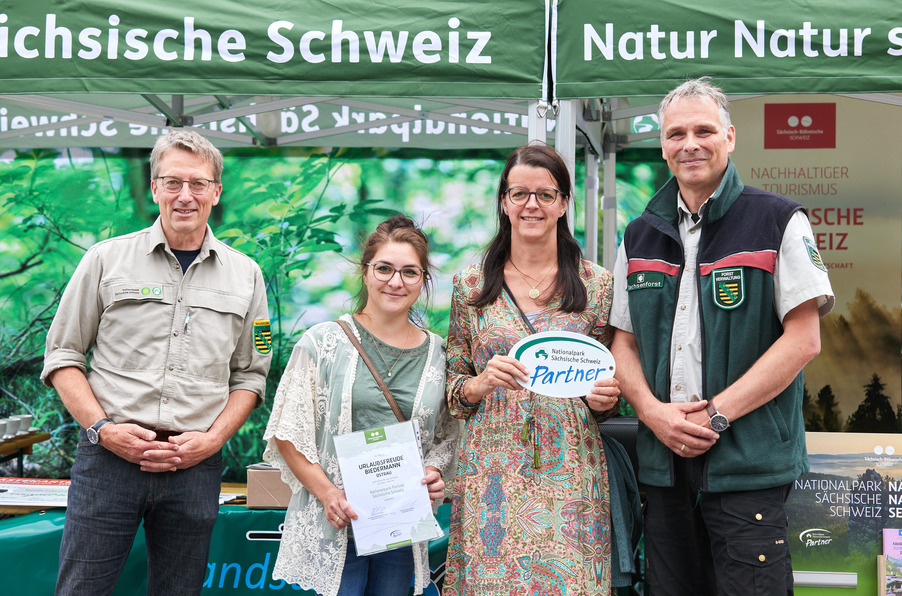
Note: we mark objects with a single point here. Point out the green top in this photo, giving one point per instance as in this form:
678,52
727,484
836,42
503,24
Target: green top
369,408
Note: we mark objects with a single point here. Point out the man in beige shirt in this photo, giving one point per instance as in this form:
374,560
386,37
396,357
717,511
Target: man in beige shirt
177,326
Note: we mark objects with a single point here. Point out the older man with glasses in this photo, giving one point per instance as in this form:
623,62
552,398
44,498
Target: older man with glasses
177,327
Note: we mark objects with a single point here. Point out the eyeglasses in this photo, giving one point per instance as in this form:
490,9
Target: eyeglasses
384,272
197,186
519,195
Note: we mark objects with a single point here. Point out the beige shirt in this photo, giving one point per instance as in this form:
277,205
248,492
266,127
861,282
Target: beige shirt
167,348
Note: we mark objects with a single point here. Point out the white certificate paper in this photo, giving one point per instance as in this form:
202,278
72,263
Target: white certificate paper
382,470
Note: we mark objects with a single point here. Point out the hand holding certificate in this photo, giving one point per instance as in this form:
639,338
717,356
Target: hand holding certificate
382,470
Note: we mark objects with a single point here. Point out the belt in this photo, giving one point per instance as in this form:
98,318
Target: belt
163,435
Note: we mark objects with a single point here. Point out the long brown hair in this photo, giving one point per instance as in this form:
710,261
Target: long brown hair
569,254
400,229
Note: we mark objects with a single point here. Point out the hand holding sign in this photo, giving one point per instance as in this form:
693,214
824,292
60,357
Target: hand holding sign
563,364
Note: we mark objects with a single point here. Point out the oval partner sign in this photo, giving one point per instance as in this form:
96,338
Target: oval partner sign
563,364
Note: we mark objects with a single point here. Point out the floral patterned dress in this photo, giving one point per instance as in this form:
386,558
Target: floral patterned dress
517,529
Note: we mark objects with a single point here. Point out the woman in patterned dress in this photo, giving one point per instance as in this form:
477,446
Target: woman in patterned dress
530,507
327,390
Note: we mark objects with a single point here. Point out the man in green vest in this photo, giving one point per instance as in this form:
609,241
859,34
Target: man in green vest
718,290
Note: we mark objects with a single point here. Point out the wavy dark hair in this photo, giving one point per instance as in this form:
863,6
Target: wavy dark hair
567,281
400,229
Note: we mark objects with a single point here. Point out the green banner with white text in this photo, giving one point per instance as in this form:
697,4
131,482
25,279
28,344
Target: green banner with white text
310,47
609,48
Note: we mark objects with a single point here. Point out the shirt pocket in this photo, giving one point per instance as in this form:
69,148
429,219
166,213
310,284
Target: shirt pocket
133,332
214,324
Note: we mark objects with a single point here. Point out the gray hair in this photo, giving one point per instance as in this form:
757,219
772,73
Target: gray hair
699,88
189,140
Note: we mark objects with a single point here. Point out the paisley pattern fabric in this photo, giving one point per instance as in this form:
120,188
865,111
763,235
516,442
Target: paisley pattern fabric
313,404
518,530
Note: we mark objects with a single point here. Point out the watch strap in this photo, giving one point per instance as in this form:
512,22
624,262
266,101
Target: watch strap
709,407
101,423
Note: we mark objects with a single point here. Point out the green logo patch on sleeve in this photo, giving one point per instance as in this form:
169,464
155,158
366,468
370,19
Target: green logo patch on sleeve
262,336
813,253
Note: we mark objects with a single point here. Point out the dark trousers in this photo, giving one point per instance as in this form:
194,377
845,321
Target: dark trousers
110,497
701,543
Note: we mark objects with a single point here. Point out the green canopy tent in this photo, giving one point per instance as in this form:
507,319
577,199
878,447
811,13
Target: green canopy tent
406,73
612,63
284,73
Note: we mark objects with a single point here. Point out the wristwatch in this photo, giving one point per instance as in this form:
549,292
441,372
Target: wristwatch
719,422
94,431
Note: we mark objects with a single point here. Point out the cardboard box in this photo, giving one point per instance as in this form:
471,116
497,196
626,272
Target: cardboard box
265,489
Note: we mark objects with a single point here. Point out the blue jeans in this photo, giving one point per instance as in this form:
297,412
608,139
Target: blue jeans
387,573
110,497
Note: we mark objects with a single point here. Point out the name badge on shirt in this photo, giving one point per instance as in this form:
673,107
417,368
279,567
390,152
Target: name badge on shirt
137,292
643,280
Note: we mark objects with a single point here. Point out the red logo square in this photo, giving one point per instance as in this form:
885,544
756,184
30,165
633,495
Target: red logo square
800,126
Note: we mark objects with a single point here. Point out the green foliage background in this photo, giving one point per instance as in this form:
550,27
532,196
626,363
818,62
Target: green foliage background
299,213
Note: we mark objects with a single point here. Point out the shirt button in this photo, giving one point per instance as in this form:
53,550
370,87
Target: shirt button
170,367
761,558
679,348
692,231
682,306
165,400
175,334
759,517
678,387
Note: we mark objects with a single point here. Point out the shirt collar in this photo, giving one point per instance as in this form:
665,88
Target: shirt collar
157,238
684,212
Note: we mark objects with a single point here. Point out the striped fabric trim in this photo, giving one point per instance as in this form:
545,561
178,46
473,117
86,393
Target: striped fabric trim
764,259
637,265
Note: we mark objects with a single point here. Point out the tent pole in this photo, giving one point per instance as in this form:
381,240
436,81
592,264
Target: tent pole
536,112
565,142
609,203
591,206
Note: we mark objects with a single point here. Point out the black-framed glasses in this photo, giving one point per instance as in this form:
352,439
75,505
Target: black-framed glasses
197,186
384,272
519,195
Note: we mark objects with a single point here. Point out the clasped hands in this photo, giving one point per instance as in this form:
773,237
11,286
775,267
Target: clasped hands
138,445
503,371
684,427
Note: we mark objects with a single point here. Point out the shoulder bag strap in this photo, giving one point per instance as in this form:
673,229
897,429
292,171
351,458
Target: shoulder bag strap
520,310
369,364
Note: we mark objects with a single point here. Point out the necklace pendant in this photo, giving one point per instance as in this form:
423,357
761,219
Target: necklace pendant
534,293
389,373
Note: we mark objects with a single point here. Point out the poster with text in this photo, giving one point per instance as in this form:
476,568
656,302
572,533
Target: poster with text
837,512
841,158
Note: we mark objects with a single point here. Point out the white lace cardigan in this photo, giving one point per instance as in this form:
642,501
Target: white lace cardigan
313,404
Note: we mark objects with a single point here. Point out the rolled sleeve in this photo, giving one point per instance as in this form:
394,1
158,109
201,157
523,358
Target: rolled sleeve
249,366
74,328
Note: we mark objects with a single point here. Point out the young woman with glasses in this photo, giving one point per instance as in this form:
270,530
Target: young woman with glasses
328,390
530,506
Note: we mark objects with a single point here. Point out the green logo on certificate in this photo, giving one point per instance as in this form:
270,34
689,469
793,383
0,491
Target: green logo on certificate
375,435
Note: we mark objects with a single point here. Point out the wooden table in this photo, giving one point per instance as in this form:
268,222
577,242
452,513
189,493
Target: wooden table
20,446
226,487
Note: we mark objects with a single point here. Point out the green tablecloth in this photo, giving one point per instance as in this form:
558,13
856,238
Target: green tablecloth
242,554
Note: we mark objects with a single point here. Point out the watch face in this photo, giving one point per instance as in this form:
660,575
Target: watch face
92,435
719,422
